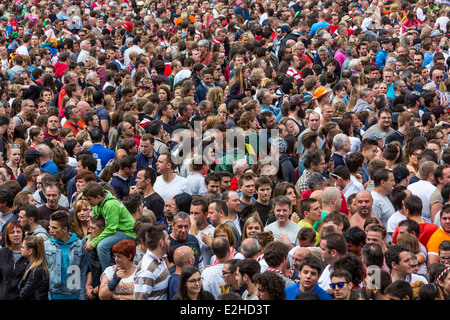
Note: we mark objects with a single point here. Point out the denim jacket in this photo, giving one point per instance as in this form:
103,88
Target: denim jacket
59,278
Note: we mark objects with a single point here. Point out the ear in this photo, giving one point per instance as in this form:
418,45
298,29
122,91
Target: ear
350,284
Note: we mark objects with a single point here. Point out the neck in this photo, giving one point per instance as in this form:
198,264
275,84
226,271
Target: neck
16,247
148,190
395,275
380,190
417,219
251,288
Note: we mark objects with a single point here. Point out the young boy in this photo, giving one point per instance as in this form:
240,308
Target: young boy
118,222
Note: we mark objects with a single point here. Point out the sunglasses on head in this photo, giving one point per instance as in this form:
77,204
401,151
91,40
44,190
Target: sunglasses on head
338,284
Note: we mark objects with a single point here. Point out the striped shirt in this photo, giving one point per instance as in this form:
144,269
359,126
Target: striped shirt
152,278
294,73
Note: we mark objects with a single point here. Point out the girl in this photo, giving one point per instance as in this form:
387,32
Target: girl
190,287
82,212
239,87
35,282
14,159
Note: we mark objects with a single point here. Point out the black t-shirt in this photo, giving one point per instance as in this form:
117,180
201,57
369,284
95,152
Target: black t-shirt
263,211
155,203
45,212
192,242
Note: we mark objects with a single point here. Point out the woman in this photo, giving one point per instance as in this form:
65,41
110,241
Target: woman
164,93
35,282
117,282
22,198
413,163
190,287
346,125
36,137
286,189
81,180
224,230
140,228
14,159
66,134
72,147
411,242
216,96
249,124
443,280
81,214
61,158
12,263
252,226
239,87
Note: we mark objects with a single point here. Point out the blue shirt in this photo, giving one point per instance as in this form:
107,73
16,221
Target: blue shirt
316,26
50,166
294,290
102,154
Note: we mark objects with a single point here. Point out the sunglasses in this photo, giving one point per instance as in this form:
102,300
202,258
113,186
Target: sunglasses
338,284
13,146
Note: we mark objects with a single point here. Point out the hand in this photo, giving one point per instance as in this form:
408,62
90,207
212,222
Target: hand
88,246
206,238
295,218
283,237
120,272
134,189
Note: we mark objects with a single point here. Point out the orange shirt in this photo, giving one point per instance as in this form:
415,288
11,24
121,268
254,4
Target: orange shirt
436,239
74,126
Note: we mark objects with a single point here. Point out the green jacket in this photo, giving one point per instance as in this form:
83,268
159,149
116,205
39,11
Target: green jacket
226,162
117,218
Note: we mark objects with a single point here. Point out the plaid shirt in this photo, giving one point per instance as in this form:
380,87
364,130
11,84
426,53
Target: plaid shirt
302,184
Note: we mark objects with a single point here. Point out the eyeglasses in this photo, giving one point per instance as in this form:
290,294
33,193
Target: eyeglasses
13,146
194,281
444,258
339,284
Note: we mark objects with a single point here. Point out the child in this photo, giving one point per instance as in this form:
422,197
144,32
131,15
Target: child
119,222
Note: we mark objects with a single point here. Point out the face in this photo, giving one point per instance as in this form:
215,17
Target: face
364,202
248,188
252,229
264,192
56,231
14,155
52,194
388,76
282,212
444,257
194,283
262,294
214,215
314,122
385,120
445,221
375,237
233,202
308,278
341,293
84,213
16,236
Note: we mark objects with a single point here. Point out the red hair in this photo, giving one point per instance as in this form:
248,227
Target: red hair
126,248
9,229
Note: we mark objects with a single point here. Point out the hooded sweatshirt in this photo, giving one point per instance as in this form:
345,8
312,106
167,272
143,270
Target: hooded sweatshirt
117,218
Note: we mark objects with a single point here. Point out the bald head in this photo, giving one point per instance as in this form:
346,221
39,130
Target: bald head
330,195
120,153
183,256
83,108
317,195
364,202
298,256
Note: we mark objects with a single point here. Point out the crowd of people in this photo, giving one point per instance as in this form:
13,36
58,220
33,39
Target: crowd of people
224,150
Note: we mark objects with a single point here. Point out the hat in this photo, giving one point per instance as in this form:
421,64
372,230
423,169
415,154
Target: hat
386,40
374,135
400,173
285,28
142,84
279,143
297,99
346,18
413,96
435,33
391,60
320,92
31,154
128,26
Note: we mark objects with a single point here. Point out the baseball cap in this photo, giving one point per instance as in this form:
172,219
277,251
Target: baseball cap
400,173
31,154
285,28
297,99
435,33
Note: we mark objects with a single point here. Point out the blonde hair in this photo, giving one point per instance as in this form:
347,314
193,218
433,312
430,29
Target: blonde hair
37,245
216,96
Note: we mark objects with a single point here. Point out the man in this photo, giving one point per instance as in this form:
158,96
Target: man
342,146
341,284
283,229
101,154
369,149
386,47
440,235
265,100
206,83
313,161
229,276
218,214
212,276
383,125
145,180
263,204
52,193
444,253
147,156
342,176
399,290
199,168
331,200
72,115
425,187
382,207
246,271
276,257
121,180
377,234
332,247
313,126
311,210
398,259
29,218
403,123
376,284
180,235
156,129
201,229
31,173
212,183
169,183
246,185
365,101
26,109
152,275
182,256
63,253
85,46
309,272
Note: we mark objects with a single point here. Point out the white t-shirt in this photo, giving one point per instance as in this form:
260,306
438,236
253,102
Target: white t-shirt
125,286
423,189
291,230
212,279
169,190
393,221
